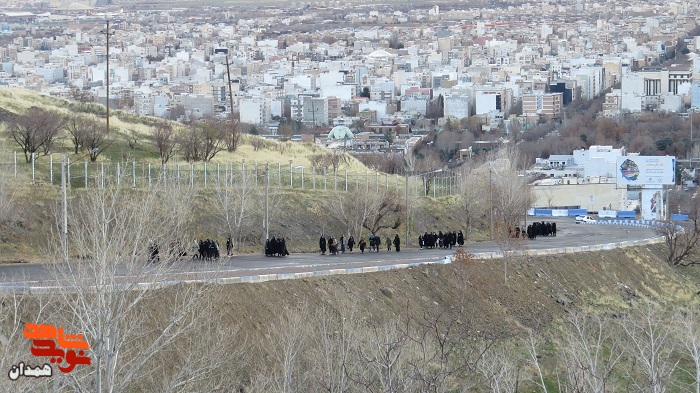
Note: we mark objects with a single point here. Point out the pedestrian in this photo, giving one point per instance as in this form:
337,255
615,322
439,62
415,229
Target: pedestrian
351,243
322,245
397,243
342,244
362,245
229,246
388,243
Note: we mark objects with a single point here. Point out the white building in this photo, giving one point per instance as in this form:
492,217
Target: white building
456,106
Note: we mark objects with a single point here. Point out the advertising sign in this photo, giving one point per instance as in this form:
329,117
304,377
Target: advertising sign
646,170
651,204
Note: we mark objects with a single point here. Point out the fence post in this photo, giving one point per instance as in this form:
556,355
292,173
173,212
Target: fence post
313,176
133,174
68,169
376,178
335,179
256,174
51,168
279,174
367,178
119,175
32,166
177,166
218,173
165,176
386,175
302,177
205,174
325,178
243,174
346,179
192,176
86,174
149,175
102,174
291,176
15,165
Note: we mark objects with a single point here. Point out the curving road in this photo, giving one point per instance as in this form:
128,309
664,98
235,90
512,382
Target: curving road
569,234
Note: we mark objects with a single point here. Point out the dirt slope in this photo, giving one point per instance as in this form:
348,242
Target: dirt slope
538,289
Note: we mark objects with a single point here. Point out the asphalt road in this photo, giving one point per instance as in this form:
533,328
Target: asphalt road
569,234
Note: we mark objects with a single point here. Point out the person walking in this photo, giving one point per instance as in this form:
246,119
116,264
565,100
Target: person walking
322,245
229,246
342,244
362,245
397,243
351,243
388,243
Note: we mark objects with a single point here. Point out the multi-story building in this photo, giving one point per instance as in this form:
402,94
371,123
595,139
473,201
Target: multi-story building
546,105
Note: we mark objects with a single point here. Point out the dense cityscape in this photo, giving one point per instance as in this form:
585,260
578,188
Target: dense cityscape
377,68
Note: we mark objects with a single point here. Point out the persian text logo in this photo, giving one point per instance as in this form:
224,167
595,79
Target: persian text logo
47,341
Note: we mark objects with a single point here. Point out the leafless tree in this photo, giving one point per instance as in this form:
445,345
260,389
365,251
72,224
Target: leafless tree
77,126
200,142
332,159
336,333
687,323
112,290
35,129
650,345
18,307
289,336
681,241
96,139
509,243
368,209
236,202
591,351
164,137
501,368
534,342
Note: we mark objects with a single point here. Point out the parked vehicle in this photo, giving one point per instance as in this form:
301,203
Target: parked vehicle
584,219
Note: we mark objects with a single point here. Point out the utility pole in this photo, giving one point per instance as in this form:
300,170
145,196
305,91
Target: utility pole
267,197
107,33
230,91
490,204
64,211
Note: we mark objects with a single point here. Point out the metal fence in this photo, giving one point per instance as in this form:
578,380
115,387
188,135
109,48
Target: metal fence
85,174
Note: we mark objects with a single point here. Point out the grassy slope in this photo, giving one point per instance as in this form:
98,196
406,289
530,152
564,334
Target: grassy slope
302,216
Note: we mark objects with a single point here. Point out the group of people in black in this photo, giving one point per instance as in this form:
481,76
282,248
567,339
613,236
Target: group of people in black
335,247
441,240
276,247
534,230
206,249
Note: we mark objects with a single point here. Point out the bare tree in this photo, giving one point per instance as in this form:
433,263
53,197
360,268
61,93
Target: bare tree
591,351
534,342
500,367
366,209
200,142
35,129
77,126
112,292
96,139
688,334
289,335
236,202
164,138
681,241
650,345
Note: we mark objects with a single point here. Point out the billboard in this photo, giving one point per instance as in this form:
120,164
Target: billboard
651,204
646,170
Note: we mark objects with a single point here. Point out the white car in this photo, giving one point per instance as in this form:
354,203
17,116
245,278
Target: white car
584,219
